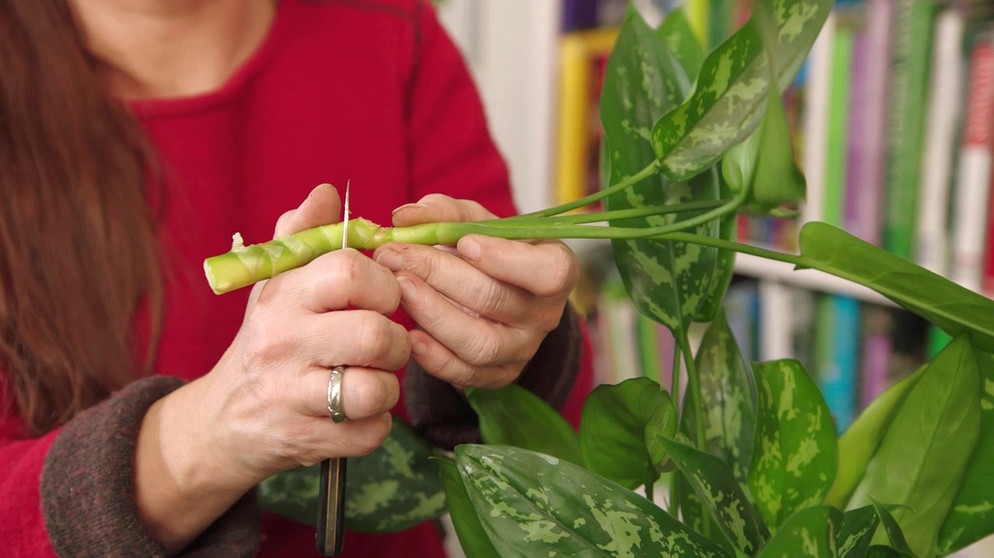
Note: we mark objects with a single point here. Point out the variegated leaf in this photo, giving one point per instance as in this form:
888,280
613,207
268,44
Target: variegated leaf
728,393
679,38
732,89
618,421
714,483
795,457
673,283
809,533
391,489
858,527
972,515
472,537
532,504
895,534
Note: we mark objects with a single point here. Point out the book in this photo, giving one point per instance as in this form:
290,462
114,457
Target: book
866,144
942,123
972,194
909,76
877,346
583,57
814,146
833,197
837,346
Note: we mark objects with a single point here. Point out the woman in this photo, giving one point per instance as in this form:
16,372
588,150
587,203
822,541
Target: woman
139,409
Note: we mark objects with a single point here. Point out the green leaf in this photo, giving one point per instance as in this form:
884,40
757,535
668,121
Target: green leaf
391,489
617,421
881,551
731,91
537,505
714,483
920,464
795,457
472,537
953,308
972,515
515,416
898,542
858,527
679,38
673,283
861,440
772,177
809,533
728,392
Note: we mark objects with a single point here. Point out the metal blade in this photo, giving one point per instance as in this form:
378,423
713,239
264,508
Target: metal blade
331,504
345,217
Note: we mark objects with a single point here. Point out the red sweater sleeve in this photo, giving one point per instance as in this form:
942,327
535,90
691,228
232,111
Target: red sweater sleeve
71,492
22,528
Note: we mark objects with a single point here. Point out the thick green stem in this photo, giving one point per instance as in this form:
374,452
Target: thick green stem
244,265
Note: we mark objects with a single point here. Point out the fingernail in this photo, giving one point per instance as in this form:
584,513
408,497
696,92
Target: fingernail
407,206
417,345
389,259
469,248
407,290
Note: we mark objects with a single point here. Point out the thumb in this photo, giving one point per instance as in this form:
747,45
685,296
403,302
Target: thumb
322,206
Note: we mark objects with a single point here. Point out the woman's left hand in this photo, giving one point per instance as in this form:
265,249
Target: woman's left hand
485,306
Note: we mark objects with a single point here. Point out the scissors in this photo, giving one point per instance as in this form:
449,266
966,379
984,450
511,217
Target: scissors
331,498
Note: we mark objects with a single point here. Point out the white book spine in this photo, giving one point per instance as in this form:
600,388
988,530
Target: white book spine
943,117
815,121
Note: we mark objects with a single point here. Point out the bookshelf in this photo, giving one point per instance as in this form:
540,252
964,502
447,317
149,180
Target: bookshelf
892,171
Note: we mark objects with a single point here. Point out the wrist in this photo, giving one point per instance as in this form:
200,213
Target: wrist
181,485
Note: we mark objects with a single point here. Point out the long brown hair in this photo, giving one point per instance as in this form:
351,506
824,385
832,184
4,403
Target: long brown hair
78,258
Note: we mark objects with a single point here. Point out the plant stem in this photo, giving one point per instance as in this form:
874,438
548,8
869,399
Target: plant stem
674,503
244,265
607,216
652,169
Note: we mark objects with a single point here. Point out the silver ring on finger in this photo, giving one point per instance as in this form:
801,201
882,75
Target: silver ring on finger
335,405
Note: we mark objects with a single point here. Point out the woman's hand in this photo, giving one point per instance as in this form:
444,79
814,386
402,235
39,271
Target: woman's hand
272,382
264,408
483,308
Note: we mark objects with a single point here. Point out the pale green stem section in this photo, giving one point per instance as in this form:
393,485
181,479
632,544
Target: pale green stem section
244,265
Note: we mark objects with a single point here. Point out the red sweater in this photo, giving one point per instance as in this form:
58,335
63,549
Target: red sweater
368,91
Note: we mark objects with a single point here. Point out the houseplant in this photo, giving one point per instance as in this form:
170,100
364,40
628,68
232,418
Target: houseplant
752,461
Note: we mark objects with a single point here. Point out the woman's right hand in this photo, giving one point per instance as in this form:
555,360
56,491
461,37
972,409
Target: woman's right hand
263,408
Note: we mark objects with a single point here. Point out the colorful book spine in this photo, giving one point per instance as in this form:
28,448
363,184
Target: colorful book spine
833,209
877,347
909,81
942,123
582,57
866,153
837,356
974,172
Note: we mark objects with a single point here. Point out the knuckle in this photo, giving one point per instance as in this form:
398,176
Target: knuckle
374,435
376,336
485,351
494,299
562,273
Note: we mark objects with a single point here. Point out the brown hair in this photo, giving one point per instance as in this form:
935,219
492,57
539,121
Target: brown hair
78,257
